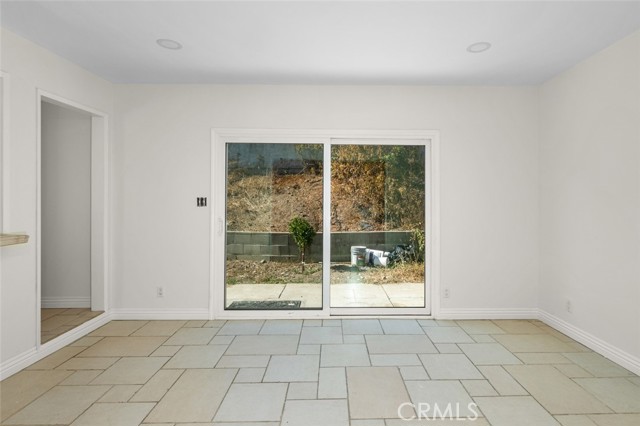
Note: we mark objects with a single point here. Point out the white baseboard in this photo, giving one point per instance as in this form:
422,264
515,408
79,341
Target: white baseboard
25,359
66,302
598,345
160,314
487,313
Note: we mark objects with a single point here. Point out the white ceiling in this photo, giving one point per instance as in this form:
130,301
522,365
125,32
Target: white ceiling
305,42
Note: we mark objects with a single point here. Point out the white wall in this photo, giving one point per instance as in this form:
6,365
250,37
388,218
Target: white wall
590,196
31,67
489,180
66,207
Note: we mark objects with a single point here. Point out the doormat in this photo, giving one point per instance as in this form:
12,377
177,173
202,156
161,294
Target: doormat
265,304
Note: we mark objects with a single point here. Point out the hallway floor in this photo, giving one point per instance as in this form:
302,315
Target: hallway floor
55,322
357,372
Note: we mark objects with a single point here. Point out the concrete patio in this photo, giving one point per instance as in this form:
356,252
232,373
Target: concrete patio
342,295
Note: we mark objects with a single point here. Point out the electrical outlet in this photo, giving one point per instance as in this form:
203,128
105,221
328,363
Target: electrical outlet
569,307
159,292
446,293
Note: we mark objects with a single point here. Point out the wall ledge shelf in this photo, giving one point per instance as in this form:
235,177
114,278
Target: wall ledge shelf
13,239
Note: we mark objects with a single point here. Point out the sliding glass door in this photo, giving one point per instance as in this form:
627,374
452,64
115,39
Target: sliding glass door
324,226
377,225
273,211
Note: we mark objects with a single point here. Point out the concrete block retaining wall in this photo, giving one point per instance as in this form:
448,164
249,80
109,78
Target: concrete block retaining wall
279,246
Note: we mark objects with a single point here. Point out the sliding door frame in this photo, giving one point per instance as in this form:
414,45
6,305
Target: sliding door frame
221,137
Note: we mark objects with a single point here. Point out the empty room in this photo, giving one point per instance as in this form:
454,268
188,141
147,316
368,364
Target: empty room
320,213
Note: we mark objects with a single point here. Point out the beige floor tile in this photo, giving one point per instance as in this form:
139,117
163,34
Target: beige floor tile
332,383
488,354
56,358
310,349
618,393
635,380
53,323
395,360
242,361
320,335
182,404
196,323
447,335
398,344
480,327
196,357
83,377
414,373
25,386
264,345
282,327
543,358
214,323
375,392
554,391
264,399
303,391
332,323
532,343
97,363
483,338
159,328
616,419
502,381
250,375
191,336
49,312
113,414
434,422
449,367
353,338
518,327
243,327
123,346
166,351
86,341
448,348
293,368
131,371
46,410
361,326
398,326
120,393
479,388
514,410
440,395
575,420
316,413
222,340
572,371
118,328
157,386
598,365
351,355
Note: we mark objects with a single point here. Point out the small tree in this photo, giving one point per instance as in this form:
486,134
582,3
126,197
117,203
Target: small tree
302,233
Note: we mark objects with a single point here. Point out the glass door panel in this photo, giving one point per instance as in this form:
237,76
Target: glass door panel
377,226
273,237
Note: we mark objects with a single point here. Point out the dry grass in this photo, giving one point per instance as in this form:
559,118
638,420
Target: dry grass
250,272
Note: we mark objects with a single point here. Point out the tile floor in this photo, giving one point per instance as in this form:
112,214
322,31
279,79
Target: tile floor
357,372
57,321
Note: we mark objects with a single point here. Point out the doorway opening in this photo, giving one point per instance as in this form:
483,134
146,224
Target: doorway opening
71,230
319,225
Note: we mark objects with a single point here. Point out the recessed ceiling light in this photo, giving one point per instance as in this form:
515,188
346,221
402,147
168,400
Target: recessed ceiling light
481,46
169,44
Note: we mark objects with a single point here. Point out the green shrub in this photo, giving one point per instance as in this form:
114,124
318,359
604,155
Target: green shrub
303,234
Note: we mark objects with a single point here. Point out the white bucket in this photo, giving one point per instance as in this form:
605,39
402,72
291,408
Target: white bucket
357,255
